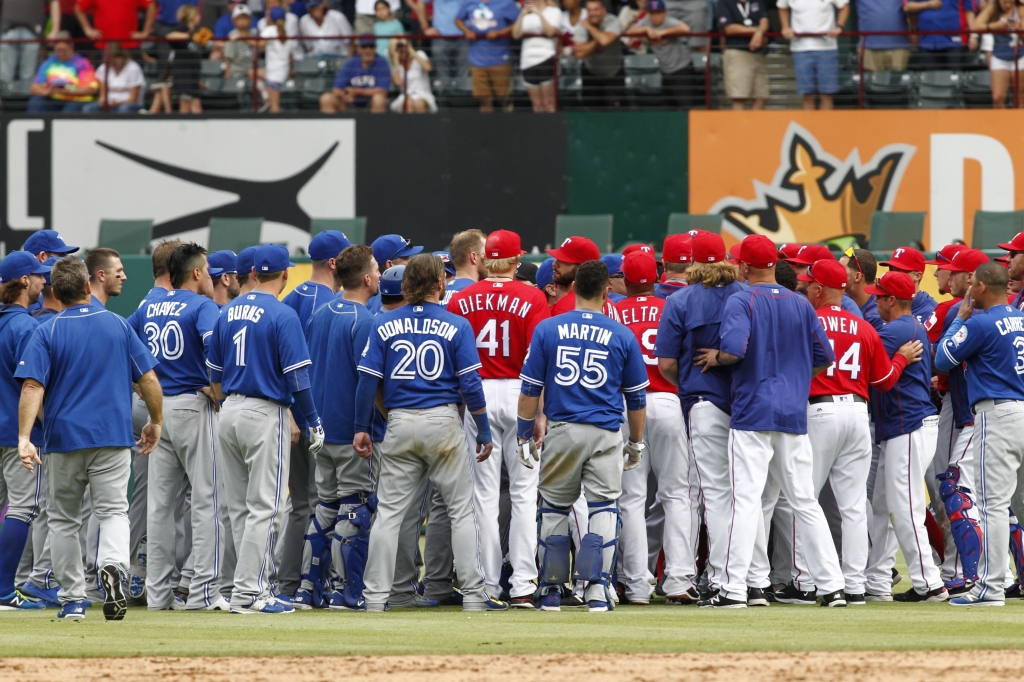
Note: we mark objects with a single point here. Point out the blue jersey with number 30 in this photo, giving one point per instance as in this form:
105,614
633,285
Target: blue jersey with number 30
585,361
992,345
424,354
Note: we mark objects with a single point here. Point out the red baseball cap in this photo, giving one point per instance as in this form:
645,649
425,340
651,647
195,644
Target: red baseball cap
645,248
758,251
503,244
640,268
576,250
811,253
827,273
896,284
708,247
967,260
787,251
678,248
734,253
907,259
946,253
1003,260
1016,244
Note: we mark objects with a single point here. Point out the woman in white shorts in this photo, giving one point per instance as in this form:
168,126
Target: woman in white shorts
537,55
410,76
1007,59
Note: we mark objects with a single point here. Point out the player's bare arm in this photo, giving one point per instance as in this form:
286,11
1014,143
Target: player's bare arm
30,405
669,368
153,396
712,357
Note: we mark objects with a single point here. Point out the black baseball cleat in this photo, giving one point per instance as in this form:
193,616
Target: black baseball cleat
114,603
855,599
1013,592
912,595
717,601
833,599
959,589
896,577
756,597
791,595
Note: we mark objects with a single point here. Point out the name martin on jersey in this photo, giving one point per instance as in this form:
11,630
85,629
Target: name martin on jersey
584,332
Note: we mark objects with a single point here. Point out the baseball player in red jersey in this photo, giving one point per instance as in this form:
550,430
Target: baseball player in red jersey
503,313
568,257
837,417
668,457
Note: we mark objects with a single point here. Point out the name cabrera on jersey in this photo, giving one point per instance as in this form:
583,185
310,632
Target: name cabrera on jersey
585,362
991,344
504,316
641,315
256,341
176,326
422,352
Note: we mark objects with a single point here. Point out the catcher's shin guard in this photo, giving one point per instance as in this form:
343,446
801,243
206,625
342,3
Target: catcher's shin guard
965,531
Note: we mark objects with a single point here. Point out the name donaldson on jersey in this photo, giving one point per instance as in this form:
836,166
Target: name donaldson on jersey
408,325
506,303
168,308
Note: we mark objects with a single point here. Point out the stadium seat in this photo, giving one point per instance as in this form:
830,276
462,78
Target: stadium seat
977,89
992,228
595,227
684,222
211,67
308,68
234,233
938,90
890,230
353,228
570,79
642,74
128,237
15,95
887,89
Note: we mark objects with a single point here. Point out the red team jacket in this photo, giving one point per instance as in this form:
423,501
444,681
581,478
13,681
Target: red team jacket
861,360
568,302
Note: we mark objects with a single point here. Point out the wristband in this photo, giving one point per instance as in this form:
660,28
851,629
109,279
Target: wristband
483,428
525,427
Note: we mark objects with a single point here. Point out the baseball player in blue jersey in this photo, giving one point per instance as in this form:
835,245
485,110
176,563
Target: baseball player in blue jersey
177,327
244,263
258,359
777,343
334,553
390,250
906,425
585,363
21,280
224,273
427,359
44,245
911,262
85,446
991,342
1015,265
106,274
691,321
304,300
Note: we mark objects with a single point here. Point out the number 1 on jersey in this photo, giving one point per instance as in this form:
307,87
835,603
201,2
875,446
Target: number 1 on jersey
239,339
487,338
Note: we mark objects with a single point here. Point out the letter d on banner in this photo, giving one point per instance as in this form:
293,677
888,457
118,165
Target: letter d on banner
948,153
17,175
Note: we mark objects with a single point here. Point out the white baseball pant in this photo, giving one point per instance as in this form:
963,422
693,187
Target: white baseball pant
900,495
667,455
502,397
789,459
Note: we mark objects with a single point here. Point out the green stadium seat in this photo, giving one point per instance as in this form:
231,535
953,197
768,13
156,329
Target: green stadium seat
211,68
595,227
684,222
887,89
127,237
642,74
234,234
890,230
992,228
353,228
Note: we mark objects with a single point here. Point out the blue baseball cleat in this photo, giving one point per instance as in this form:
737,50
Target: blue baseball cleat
303,599
49,597
552,601
270,607
16,601
74,610
489,605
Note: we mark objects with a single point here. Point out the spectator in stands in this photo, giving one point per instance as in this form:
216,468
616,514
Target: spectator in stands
240,53
64,82
1002,15
883,53
815,60
167,20
186,41
223,27
121,86
23,20
573,14
213,12
450,57
943,51
366,15
410,74
697,15
362,83
278,51
664,33
629,15
537,55
744,23
116,20
291,20
321,21
487,24
386,25
597,44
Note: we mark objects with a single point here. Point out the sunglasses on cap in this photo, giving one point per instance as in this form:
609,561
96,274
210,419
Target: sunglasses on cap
406,243
852,255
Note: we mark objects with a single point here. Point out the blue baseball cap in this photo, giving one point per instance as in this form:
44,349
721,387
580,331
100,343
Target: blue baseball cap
277,14
546,273
246,260
20,263
391,246
222,262
614,263
50,261
391,281
449,266
272,258
328,244
655,5
49,241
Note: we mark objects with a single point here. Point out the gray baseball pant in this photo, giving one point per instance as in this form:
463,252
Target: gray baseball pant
409,560
228,557
186,454
35,563
106,472
418,442
140,491
439,558
255,444
302,493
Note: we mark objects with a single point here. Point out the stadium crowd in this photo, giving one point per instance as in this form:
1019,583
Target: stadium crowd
772,488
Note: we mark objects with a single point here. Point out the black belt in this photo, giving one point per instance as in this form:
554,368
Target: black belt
814,400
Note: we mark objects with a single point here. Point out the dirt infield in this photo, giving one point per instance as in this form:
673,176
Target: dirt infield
838,666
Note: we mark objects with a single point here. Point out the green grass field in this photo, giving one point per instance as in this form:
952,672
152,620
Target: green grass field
653,629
